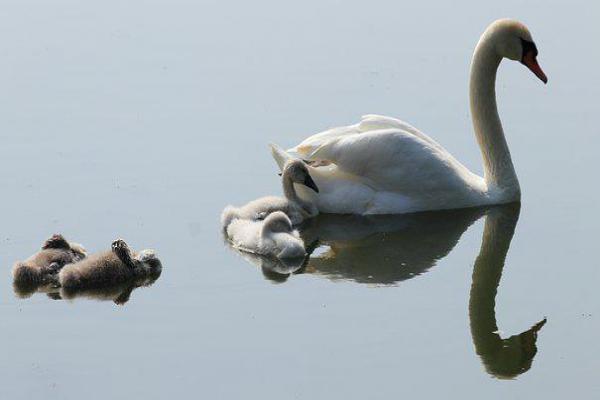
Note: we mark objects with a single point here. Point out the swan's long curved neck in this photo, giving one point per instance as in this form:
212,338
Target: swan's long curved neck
290,193
499,172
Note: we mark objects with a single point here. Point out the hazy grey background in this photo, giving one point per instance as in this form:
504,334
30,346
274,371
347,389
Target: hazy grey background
143,120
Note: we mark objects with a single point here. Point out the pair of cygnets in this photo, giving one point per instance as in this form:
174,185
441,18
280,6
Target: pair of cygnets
266,226
67,264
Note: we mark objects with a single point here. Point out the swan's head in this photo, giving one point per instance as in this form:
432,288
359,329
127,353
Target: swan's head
277,222
297,171
513,40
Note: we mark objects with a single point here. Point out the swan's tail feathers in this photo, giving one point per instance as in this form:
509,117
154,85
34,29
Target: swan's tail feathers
229,214
280,155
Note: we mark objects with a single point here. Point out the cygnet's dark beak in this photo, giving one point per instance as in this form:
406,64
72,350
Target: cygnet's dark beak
308,181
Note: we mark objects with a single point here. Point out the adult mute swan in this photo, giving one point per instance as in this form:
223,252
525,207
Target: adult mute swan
294,171
385,166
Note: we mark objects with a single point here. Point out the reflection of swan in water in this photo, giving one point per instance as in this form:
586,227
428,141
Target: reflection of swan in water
381,250
502,358
384,250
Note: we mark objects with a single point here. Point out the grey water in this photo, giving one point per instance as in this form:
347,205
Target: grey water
142,120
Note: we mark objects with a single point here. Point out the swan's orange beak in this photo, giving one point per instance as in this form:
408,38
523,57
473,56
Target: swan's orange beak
530,61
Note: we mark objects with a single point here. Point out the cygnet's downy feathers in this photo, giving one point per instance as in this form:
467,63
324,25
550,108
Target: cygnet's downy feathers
118,266
294,172
38,269
273,236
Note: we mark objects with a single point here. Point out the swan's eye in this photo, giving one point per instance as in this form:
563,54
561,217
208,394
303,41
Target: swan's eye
528,47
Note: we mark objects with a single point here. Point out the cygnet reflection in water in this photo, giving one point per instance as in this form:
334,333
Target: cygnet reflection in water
274,269
119,293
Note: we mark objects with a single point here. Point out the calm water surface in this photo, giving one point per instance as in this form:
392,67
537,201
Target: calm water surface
143,120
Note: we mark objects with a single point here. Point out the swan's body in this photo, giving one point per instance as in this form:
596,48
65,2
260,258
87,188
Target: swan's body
383,165
294,172
274,236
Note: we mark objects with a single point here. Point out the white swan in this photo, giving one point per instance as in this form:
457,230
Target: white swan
294,171
383,165
273,236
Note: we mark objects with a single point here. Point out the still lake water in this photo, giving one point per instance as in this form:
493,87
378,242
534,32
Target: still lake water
143,120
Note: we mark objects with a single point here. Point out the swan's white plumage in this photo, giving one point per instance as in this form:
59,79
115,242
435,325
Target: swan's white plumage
383,165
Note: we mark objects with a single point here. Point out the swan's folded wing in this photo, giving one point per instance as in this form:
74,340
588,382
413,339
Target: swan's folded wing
313,142
395,159
368,124
373,122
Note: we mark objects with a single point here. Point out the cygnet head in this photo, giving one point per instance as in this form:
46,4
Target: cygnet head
57,241
277,222
297,171
512,40
150,260
78,251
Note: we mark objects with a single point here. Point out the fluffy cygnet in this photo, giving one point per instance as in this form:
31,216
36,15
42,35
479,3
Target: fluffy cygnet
38,269
118,266
273,236
294,171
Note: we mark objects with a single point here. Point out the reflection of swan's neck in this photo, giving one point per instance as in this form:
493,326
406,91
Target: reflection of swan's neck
503,358
497,235
498,168
290,193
